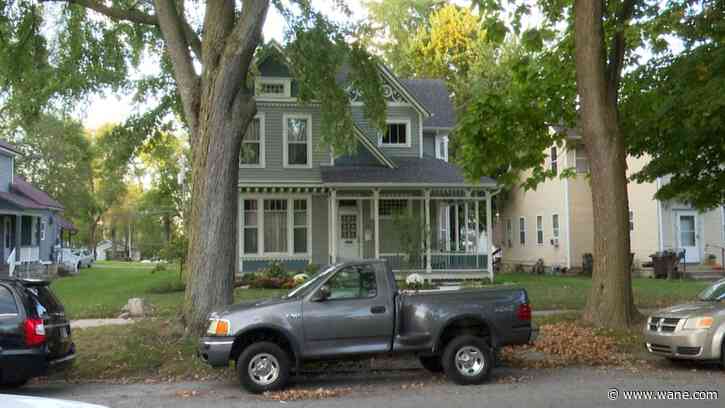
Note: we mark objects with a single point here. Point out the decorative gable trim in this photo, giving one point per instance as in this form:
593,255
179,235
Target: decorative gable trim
372,148
395,82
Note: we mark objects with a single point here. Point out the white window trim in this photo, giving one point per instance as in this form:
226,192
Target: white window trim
285,146
262,145
441,139
397,121
286,82
522,224
408,207
290,226
540,228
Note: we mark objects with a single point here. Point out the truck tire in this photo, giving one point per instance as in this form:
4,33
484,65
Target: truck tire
431,363
262,367
467,360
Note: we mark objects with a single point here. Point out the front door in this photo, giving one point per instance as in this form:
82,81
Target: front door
687,236
348,233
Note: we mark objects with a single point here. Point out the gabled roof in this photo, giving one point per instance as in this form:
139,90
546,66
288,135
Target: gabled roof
373,148
409,171
9,148
25,195
435,96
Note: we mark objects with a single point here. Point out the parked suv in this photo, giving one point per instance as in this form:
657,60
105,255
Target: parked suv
35,336
692,331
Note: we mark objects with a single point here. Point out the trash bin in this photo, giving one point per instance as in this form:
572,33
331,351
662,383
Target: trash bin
664,264
587,264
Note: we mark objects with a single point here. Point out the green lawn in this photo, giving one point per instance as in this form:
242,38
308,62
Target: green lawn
102,290
556,292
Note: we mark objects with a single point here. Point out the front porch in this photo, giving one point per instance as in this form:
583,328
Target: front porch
20,236
440,231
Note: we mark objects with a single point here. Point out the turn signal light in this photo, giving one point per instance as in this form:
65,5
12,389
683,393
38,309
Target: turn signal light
524,312
218,327
699,323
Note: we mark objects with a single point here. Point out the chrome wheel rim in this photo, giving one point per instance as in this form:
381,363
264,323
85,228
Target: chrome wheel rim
263,369
470,361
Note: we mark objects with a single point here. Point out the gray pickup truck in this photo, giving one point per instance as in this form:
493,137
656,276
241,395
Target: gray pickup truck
354,309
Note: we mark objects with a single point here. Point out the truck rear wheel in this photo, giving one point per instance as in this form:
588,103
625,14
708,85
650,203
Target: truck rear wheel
263,366
431,363
467,360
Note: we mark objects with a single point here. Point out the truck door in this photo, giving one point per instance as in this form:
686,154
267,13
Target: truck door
356,318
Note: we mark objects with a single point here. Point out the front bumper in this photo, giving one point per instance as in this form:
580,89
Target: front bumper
215,351
682,344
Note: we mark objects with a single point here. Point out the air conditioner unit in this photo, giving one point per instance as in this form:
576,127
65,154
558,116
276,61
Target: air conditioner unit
555,242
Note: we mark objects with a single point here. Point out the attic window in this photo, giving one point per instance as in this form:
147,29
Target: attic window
273,87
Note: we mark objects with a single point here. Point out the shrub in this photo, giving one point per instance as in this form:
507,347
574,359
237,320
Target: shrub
159,267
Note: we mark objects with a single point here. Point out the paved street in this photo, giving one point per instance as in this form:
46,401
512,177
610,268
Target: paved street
560,388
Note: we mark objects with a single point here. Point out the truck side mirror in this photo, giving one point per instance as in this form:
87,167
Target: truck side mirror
322,294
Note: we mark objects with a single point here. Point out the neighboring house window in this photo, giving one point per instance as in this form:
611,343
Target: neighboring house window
275,226
509,233
442,147
554,160
250,227
299,226
397,133
522,231
389,208
582,160
252,152
539,230
297,141
274,87
555,226
631,220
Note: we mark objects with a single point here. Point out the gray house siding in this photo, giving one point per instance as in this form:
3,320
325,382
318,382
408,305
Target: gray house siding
52,231
393,112
6,172
274,170
319,224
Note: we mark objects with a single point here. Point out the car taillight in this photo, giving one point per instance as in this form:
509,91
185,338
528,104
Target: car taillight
524,312
34,332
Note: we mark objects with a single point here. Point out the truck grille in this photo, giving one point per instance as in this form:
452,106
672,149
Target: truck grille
688,351
663,324
659,348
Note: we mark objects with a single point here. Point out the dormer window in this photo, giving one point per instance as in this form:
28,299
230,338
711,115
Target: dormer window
397,134
273,87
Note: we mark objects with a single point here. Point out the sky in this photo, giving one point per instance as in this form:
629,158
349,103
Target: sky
114,108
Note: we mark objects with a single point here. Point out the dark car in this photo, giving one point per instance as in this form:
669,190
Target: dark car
35,336
355,308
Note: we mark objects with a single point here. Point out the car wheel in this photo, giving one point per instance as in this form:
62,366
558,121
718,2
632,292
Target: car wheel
467,360
263,367
431,363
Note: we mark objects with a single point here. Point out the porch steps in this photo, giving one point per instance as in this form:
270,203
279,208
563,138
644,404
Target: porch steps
702,272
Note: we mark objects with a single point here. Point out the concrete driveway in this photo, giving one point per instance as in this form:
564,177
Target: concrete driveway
415,388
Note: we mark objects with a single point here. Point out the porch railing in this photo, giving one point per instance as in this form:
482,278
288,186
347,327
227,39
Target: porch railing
440,262
29,254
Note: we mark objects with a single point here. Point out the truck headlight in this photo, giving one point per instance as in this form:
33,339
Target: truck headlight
694,323
218,327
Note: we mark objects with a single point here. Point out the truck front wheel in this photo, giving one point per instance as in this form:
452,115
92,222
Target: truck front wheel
467,360
431,363
263,366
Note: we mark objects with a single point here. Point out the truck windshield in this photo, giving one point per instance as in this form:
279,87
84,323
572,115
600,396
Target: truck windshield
305,287
713,293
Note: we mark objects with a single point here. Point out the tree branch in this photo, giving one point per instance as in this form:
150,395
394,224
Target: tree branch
172,27
616,53
133,15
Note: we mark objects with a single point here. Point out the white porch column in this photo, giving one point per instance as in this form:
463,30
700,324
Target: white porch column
489,232
476,226
456,231
376,217
427,232
333,199
466,233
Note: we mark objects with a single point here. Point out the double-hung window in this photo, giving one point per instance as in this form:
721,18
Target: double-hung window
397,134
297,141
554,160
539,230
582,160
522,231
250,227
509,233
299,227
252,151
555,226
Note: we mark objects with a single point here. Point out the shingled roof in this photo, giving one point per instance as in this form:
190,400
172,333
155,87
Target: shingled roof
9,146
409,170
25,196
435,96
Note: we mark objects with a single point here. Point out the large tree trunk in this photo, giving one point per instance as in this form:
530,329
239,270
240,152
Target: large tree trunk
610,302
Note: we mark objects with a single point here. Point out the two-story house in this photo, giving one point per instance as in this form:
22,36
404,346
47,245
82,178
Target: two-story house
31,224
300,203
554,222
